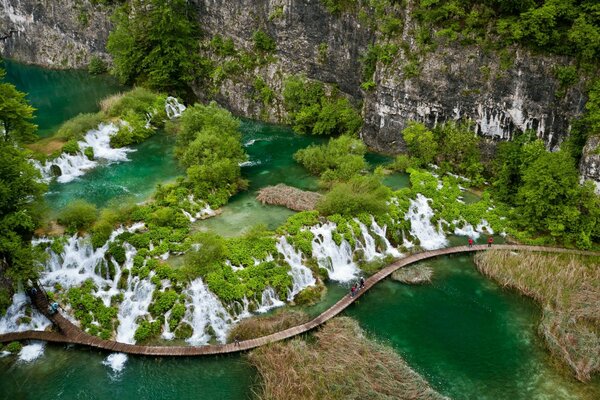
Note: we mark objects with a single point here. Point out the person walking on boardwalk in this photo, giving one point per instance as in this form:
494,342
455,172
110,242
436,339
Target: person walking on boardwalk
490,241
352,290
362,282
470,242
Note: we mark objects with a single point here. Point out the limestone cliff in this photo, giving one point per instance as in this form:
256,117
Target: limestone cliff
500,93
53,33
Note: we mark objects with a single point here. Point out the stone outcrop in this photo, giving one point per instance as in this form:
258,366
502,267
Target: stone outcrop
500,93
53,33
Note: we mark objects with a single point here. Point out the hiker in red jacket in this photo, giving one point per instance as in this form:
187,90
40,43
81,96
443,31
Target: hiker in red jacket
470,242
490,241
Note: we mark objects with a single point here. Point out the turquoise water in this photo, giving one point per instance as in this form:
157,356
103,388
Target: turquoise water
59,95
468,337
78,373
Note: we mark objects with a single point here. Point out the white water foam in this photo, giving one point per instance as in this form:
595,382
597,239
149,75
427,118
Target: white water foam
173,108
116,362
15,319
75,165
204,310
269,300
302,277
338,260
381,231
32,351
419,214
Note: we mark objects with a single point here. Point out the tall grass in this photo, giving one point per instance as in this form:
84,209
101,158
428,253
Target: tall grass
337,362
568,288
252,328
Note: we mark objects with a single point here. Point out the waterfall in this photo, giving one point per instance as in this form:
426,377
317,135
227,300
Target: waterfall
32,351
381,232
204,311
17,320
269,300
368,244
419,214
167,334
302,277
468,229
338,260
74,165
173,108
205,210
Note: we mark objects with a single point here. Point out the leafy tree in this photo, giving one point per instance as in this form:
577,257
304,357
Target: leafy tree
15,114
459,149
361,194
155,42
420,142
338,160
78,214
313,111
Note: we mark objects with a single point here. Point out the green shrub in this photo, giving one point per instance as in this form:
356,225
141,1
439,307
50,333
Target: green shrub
101,232
79,214
71,147
208,257
361,194
309,296
339,160
97,66
14,347
89,153
77,126
263,42
420,142
147,330
313,111
5,300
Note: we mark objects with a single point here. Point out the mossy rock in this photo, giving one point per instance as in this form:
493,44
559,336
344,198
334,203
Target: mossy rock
310,295
184,331
14,347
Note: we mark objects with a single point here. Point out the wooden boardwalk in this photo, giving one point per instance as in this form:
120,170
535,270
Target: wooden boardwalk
70,333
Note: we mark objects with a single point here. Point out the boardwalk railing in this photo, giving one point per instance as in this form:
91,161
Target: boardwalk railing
70,333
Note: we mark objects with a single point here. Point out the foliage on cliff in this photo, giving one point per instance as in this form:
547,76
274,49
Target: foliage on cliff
155,43
315,110
15,114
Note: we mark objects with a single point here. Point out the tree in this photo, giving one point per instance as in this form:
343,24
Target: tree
15,114
155,42
420,142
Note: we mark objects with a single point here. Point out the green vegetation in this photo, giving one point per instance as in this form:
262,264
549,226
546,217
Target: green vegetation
568,289
252,328
97,66
336,362
95,318
339,160
155,43
209,147
20,191
15,114
14,347
361,194
263,42
78,215
544,190
314,110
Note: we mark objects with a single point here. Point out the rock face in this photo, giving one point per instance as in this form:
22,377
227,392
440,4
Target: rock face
465,83
589,168
53,33
500,93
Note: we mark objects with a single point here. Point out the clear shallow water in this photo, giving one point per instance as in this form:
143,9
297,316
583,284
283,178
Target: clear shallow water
152,163
468,337
59,95
78,373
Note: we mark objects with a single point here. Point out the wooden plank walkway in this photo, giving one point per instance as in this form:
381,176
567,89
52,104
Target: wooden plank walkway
70,333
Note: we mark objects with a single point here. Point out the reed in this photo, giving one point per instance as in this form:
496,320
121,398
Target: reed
251,328
414,275
336,362
568,289
288,196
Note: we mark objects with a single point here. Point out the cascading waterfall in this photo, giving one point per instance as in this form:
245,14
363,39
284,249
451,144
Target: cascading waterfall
474,233
269,300
173,107
205,210
419,214
17,319
382,232
204,311
32,351
74,165
338,260
302,277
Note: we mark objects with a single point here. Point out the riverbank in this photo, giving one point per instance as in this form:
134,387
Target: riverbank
568,289
337,362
